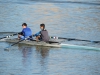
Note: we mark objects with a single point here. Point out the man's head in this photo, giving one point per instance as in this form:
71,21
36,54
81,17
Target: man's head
24,25
42,26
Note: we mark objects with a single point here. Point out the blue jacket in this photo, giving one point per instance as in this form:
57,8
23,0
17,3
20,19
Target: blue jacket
26,32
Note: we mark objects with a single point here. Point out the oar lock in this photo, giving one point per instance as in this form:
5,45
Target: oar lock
54,37
8,36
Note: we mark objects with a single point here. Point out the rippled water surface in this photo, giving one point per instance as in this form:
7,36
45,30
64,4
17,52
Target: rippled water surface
66,18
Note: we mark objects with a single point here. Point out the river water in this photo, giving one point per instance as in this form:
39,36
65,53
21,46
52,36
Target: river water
66,18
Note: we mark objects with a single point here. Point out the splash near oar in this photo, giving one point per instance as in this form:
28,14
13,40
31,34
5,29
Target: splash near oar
70,39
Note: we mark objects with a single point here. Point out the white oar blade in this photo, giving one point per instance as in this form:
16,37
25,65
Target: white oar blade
7,48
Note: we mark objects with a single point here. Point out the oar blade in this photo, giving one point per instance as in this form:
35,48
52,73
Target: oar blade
96,41
7,48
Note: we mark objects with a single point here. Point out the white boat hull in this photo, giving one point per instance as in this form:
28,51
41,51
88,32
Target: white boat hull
41,43
58,45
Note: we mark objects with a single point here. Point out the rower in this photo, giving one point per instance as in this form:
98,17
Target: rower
43,34
26,32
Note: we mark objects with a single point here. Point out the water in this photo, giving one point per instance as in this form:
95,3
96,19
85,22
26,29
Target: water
66,18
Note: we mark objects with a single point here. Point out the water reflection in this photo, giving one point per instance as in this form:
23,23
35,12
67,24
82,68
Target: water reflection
43,51
26,55
34,58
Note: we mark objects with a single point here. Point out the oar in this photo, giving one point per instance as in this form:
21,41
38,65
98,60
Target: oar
7,48
9,36
69,39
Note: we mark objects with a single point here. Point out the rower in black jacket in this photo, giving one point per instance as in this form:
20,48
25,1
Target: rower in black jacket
43,34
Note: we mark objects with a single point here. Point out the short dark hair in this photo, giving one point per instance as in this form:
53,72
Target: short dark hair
24,24
42,25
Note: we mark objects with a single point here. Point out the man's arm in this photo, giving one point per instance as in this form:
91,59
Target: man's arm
37,34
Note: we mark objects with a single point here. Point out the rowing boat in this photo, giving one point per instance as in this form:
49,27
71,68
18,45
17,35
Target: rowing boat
52,44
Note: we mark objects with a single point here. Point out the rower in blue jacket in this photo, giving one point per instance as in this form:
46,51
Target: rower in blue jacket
43,34
26,32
